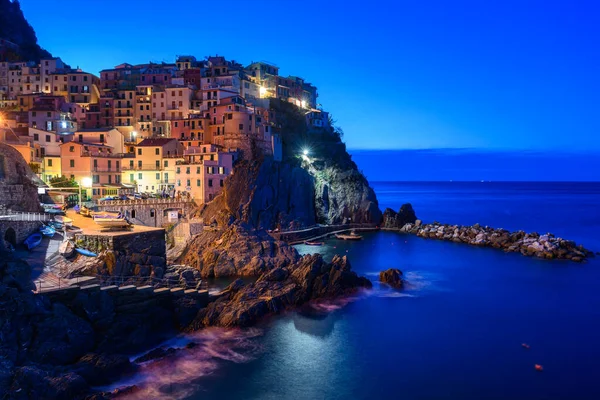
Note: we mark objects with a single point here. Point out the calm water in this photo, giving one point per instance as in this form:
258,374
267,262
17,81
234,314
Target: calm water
456,333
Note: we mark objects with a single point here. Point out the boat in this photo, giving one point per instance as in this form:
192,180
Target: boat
63,220
66,248
85,252
351,236
86,212
56,225
106,214
47,230
74,229
311,243
33,240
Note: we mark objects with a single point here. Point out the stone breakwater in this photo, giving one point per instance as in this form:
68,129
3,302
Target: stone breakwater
528,244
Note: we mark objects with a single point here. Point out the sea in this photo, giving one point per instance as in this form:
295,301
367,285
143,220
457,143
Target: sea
456,332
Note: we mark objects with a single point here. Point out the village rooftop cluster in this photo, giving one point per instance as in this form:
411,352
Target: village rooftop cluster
162,129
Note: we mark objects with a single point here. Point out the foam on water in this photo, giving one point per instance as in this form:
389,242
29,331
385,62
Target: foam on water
179,375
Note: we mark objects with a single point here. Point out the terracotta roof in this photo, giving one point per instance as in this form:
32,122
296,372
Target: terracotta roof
153,142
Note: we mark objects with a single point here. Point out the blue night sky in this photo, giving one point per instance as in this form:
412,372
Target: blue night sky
494,75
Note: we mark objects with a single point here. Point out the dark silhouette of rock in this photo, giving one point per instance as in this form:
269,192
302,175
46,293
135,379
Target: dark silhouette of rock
101,369
15,28
155,354
406,215
392,277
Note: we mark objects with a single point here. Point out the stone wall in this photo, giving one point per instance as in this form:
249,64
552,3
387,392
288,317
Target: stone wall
18,184
22,230
137,253
150,212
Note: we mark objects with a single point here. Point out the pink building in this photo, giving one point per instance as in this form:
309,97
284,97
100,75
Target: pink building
203,172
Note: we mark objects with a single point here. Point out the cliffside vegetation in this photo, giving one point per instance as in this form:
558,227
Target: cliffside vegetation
15,28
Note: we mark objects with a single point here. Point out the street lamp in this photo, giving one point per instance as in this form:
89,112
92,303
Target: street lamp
87,182
133,135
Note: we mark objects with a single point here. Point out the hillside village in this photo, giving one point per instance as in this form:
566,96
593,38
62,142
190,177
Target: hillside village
152,130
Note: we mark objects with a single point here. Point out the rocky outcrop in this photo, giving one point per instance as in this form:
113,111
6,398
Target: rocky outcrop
528,244
392,219
237,251
392,277
15,28
288,195
310,278
59,344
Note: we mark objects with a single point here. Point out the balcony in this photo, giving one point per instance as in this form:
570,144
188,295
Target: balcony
143,167
105,169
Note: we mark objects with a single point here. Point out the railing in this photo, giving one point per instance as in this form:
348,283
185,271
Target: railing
24,216
143,167
56,282
142,201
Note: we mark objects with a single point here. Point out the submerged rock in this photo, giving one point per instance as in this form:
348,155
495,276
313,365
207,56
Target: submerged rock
392,277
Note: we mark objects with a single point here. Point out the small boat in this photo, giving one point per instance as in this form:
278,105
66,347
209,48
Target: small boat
66,248
74,229
351,236
33,240
105,214
56,225
311,243
85,252
538,367
111,222
86,212
47,230
63,220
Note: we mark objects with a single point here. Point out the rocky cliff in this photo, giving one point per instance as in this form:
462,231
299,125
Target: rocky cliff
292,194
15,28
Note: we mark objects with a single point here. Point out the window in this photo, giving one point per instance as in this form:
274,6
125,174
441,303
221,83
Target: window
166,163
49,162
96,178
198,182
110,179
210,183
157,152
140,176
140,164
48,138
101,138
132,213
72,163
178,170
221,183
71,149
178,182
158,176
187,171
139,152
117,165
36,136
197,170
222,170
131,179
157,164
188,183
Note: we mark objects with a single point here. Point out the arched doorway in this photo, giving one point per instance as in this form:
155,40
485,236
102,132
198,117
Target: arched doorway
10,236
132,213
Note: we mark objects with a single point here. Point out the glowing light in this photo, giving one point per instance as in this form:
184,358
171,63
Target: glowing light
262,91
86,182
305,152
63,124
303,103
134,133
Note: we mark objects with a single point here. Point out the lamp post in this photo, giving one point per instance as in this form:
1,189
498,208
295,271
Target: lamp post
87,182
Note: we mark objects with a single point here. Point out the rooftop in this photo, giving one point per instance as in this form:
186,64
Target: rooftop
153,142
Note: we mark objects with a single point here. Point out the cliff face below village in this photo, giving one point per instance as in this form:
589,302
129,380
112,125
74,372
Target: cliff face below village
326,188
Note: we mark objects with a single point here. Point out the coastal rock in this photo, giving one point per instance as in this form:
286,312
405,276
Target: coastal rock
101,369
392,277
546,246
238,251
406,215
155,354
30,382
310,278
